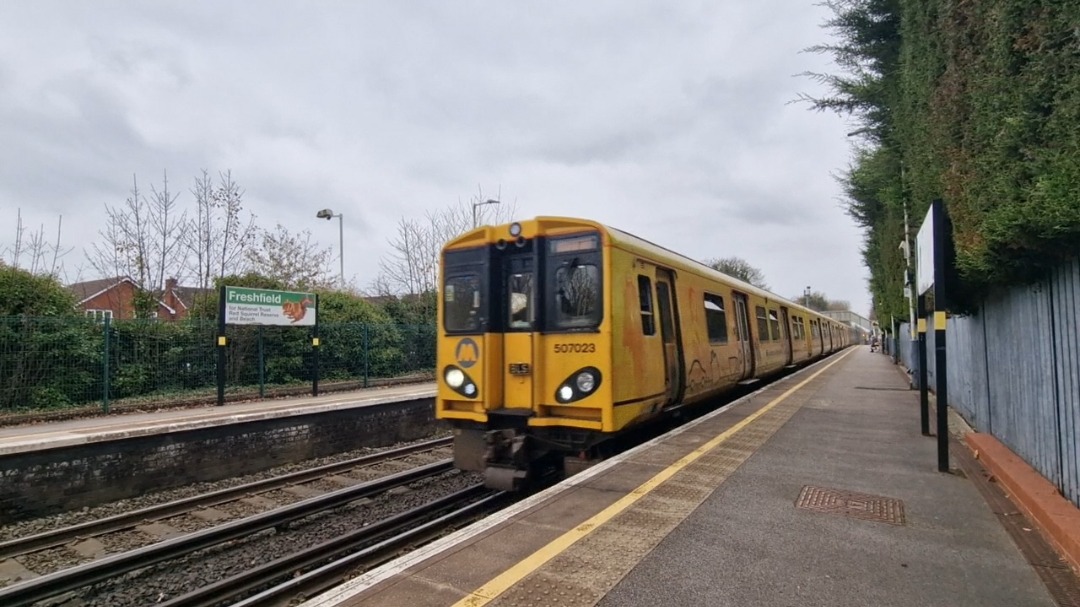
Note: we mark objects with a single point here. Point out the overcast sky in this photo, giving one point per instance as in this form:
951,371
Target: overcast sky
669,120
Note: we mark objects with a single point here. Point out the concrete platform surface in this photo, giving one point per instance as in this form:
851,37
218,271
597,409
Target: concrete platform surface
748,543
19,439
817,490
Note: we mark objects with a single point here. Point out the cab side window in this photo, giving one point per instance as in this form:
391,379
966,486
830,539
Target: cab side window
648,318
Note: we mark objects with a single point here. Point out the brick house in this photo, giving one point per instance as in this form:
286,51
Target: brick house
115,298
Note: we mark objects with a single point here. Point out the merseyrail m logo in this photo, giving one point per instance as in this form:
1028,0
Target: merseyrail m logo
467,353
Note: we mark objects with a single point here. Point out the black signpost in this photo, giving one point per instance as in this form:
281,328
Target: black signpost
932,246
222,343
315,350
924,397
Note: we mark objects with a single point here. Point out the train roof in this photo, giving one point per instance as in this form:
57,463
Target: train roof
678,259
628,241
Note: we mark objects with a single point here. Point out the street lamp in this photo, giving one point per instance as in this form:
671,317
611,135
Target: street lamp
806,297
328,214
480,204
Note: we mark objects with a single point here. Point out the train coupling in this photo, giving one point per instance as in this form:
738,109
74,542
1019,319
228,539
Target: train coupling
502,455
504,479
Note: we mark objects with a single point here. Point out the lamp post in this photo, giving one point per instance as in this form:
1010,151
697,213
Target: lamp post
328,214
480,204
806,297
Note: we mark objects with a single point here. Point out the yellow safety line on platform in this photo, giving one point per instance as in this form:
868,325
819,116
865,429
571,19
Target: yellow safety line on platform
490,591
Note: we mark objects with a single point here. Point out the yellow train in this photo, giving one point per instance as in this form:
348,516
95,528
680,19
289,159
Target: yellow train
556,334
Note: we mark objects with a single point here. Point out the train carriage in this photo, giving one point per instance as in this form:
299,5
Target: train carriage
556,334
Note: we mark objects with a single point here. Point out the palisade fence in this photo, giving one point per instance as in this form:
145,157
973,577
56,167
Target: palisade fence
51,363
1014,372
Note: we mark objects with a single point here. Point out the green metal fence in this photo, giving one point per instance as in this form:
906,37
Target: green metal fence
55,363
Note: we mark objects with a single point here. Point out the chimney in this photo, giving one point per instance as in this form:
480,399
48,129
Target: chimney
170,284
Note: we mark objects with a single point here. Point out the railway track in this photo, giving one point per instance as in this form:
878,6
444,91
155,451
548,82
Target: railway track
54,584
321,567
129,520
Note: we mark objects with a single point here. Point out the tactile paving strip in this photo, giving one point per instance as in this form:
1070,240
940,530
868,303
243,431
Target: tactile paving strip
849,503
586,571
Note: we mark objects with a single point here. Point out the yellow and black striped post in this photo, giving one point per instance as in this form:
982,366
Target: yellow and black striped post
942,401
942,236
222,344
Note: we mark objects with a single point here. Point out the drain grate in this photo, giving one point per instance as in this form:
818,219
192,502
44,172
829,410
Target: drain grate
848,503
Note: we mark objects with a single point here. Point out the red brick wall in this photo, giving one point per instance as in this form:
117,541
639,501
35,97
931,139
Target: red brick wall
120,299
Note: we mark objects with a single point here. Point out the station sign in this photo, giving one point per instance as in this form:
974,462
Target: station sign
266,307
924,254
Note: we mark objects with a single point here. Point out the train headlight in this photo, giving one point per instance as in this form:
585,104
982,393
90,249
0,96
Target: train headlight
515,229
586,381
579,385
455,377
470,390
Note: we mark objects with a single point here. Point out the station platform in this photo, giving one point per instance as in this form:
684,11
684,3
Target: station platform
816,490
51,435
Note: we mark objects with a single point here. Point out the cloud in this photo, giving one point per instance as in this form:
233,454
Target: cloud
671,121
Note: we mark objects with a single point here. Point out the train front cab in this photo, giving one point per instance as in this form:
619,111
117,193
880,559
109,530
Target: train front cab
524,347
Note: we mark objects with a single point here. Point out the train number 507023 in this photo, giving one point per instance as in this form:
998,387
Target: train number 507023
574,348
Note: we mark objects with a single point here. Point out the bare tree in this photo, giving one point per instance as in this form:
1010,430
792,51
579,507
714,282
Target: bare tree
218,235
42,257
37,250
143,239
291,258
16,250
738,267
412,266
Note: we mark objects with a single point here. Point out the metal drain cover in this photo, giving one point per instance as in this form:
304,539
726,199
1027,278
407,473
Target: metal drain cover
849,503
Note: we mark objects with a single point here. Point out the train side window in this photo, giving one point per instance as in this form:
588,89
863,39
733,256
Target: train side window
774,326
716,319
800,328
762,323
648,319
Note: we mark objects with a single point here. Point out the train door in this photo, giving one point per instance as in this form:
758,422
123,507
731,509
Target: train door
785,326
742,320
519,319
669,332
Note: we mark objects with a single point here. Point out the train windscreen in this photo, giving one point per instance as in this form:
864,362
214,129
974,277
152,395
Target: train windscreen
464,301
575,283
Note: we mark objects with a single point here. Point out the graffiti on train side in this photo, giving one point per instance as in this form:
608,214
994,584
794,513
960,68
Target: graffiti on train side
702,376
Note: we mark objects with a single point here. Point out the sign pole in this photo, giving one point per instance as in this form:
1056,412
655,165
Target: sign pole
221,343
315,349
924,396
940,303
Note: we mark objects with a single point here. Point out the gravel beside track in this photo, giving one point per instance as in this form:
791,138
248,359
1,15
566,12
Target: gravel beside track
65,519
169,580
